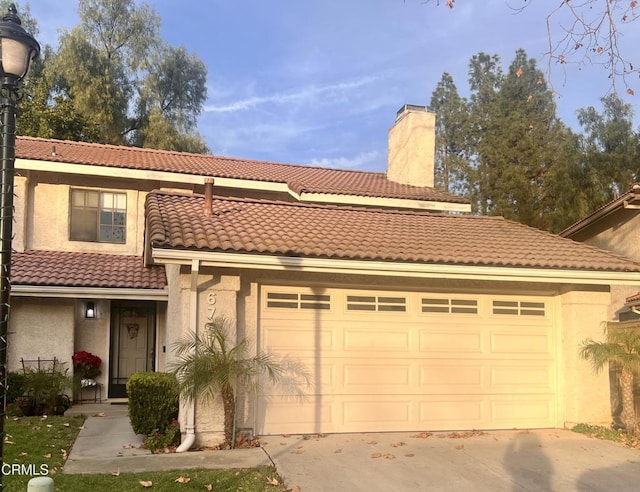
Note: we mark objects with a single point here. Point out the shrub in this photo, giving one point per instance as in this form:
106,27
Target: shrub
158,441
44,391
15,386
153,401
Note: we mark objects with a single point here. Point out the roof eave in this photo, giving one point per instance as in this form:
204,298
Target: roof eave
396,269
629,200
77,292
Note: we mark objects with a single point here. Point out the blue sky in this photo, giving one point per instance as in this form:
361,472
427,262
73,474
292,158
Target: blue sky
319,81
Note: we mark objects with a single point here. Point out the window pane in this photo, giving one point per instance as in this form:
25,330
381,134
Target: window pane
106,200
83,224
92,198
119,235
106,217
77,198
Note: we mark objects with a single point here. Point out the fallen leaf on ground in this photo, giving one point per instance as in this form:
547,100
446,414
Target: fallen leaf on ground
388,456
102,414
182,479
208,486
423,435
128,446
66,424
372,442
409,455
6,441
460,446
64,454
398,444
116,473
146,483
298,451
376,455
273,481
338,451
48,455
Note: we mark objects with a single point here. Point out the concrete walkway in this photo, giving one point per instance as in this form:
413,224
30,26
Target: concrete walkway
108,444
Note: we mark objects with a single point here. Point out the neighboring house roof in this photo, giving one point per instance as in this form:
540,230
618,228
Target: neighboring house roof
298,178
634,299
630,199
325,231
70,269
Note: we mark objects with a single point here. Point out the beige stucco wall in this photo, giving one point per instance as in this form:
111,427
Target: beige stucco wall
49,214
618,233
585,395
93,335
40,328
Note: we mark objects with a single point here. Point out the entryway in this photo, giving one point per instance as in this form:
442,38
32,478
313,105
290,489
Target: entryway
132,343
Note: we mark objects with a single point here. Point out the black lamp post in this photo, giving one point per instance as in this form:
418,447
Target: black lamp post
17,49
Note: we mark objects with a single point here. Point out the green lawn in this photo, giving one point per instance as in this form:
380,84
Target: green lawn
43,444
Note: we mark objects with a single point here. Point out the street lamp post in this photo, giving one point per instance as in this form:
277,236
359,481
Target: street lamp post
17,49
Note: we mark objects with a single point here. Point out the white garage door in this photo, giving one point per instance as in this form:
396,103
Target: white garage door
392,361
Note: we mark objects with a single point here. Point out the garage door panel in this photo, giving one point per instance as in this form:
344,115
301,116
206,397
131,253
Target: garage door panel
378,378
513,378
298,339
451,341
534,411
378,414
289,416
517,342
451,378
451,412
356,340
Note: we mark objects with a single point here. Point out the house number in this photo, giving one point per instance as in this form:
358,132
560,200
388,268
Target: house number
211,305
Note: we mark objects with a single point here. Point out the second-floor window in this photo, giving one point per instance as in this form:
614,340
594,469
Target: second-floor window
98,216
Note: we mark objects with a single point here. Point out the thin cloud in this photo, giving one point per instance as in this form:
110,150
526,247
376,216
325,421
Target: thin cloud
305,94
363,159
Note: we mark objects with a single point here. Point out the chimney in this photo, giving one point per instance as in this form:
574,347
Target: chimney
208,197
412,142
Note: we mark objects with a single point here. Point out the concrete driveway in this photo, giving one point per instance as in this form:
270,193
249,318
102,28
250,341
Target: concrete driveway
494,461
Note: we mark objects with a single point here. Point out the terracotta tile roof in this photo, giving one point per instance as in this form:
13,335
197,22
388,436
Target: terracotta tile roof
633,299
69,269
278,228
604,210
300,179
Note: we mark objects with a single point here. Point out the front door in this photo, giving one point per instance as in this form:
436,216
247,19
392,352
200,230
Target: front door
132,343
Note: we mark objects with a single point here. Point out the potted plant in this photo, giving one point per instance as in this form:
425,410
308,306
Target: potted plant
86,368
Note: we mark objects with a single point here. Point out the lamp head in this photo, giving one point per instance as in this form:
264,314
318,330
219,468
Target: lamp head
17,47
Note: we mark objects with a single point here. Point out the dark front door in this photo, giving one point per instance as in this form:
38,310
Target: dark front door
132,343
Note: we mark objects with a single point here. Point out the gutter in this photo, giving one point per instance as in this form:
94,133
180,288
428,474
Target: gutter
190,426
396,269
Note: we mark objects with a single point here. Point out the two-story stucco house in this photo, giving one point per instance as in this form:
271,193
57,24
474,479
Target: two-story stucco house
410,313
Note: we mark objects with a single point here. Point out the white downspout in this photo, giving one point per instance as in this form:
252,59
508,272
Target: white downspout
190,426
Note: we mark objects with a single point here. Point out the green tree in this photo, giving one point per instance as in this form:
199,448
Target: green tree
210,364
521,142
485,77
452,169
622,346
113,80
610,147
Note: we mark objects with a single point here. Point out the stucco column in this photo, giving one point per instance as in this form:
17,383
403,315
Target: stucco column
217,297
586,394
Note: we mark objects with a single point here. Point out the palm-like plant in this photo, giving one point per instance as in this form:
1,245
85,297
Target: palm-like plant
209,365
622,346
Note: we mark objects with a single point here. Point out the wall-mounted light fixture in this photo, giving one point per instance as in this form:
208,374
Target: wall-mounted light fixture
90,310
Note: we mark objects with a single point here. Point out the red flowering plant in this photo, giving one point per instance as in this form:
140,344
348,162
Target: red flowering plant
86,365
